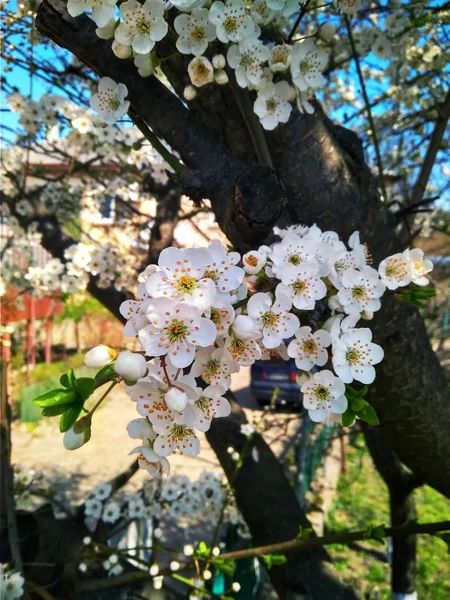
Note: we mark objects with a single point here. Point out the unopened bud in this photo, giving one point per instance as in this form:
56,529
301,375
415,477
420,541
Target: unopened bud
175,399
107,31
220,77
72,440
327,31
219,61
189,92
100,356
243,327
121,50
130,365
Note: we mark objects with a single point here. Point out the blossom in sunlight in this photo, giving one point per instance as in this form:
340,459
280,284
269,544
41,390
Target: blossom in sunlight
272,318
272,104
111,512
280,58
395,270
150,461
254,261
181,439
307,65
419,267
302,285
195,32
109,101
209,405
102,10
142,25
323,395
309,348
354,355
232,21
361,290
223,271
183,277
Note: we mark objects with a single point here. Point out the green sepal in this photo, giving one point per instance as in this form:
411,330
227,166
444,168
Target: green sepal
106,373
84,387
56,397
69,417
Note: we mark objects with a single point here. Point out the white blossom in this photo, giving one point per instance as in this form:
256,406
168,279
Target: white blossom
247,59
109,101
309,348
354,355
201,71
232,21
307,64
272,104
102,10
323,395
142,25
195,32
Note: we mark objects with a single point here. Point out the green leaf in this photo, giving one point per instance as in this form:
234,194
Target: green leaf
357,403
64,380
376,532
369,415
54,411
55,397
106,373
69,417
348,417
274,559
84,387
305,533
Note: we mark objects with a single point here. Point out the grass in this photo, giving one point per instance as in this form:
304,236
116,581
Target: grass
44,377
363,500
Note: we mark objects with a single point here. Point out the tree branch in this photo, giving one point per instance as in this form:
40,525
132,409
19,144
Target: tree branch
432,150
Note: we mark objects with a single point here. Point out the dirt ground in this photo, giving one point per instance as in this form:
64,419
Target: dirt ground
107,452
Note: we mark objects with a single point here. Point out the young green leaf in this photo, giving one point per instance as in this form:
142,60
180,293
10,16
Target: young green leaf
348,417
55,397
69,417
64,380
357,403
369,415
106,373
84,387
54,411
274,559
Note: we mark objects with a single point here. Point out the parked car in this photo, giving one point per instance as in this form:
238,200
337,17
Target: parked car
269,375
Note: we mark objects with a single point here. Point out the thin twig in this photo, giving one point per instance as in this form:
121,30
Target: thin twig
301,14
368,109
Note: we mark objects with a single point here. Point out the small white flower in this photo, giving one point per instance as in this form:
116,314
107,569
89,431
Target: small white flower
273,319
215,366
308,63
111,512
109,101
102,10
247,59
219,62
209,405
232,21
200,71
292,250
395,270
154,570
93,508
141,429
221,77
107,31
280,58
158,582
348,7
102,491
244,352
176,329
361,290
174,565
254,261
150,461
223,271
195,32
272,104
419,267
142,25
181,439
236,586
175,399
188,550
207,574
82,567
182,277
324,394
308,348
302,285
122,51
261,13
354,355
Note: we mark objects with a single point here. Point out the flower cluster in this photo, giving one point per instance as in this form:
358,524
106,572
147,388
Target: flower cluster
11,583
279,73
202,313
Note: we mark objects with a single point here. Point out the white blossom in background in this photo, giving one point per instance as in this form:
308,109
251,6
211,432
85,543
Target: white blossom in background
280,58
11,583
307,65
195,32
102,10
419,267
142,25
273,104
232,21
109,101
